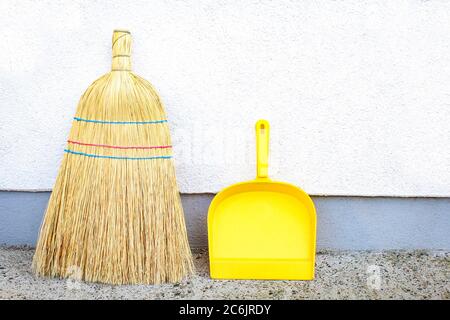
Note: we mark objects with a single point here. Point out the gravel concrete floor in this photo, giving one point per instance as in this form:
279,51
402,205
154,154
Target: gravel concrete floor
339,275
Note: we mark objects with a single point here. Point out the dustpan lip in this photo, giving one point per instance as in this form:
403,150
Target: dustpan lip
218,196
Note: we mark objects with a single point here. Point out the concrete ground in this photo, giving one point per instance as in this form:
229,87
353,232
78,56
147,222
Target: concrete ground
339,275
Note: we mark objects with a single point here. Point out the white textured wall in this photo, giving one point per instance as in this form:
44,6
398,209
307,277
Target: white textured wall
357,92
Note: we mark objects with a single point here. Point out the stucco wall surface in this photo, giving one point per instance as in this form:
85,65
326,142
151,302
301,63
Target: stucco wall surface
357,92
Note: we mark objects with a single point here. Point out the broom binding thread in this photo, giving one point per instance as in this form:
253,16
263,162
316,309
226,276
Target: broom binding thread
115,157
119,122
116,147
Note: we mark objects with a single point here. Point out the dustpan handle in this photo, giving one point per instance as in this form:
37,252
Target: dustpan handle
262,149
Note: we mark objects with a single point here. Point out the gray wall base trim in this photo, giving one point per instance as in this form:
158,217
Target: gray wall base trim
344,223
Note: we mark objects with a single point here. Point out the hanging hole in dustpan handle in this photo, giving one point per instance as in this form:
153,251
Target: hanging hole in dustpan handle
262,148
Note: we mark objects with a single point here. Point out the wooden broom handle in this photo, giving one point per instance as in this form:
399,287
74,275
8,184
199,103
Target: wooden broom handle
121,50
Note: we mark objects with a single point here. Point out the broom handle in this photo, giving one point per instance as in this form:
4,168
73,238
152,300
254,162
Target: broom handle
121,50
262,149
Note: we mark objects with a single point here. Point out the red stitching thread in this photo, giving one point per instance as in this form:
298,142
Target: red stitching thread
116,147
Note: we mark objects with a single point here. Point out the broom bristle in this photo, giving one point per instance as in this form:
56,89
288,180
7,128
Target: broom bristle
115,214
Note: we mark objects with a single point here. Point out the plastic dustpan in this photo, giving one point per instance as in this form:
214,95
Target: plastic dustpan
262,229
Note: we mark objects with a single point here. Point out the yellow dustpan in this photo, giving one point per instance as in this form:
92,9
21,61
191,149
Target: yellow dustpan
262,229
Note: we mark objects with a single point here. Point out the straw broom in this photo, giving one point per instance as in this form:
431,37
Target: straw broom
115,214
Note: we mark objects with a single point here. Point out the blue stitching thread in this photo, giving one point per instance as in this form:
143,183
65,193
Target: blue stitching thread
119,122
114,157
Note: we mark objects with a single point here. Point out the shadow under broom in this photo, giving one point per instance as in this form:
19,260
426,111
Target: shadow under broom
115,214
